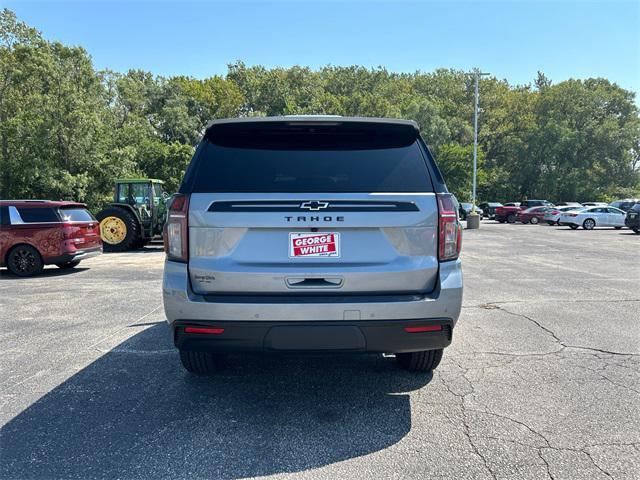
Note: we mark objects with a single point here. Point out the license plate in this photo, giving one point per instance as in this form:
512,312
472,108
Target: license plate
305,245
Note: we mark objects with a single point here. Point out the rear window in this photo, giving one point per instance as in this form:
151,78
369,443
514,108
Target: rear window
76,215
38,215
310,158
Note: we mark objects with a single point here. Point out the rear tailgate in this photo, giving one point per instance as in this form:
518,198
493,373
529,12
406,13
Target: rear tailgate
377,243
306,207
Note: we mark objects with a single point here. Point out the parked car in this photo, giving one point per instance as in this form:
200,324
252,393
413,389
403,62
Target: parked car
595,204
508,212
552,216
489,209
535,203
36,233
533,215
465,209
625,204
632,219
278,242
592,217
569,204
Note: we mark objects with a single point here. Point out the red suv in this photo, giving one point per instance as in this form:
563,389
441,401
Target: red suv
35,233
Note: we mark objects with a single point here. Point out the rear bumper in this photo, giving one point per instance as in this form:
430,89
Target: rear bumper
75,256
364,336
378,318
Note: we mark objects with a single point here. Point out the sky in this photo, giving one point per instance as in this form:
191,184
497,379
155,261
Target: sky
509,39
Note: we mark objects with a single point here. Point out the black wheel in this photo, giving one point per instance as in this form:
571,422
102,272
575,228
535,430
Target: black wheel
68,265
573,227
534,220
119,229
24,261
589,224
420,361
201,363
617,228
550,223
511,218
636,230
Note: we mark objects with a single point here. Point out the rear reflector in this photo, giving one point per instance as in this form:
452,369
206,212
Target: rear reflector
204,330
424,328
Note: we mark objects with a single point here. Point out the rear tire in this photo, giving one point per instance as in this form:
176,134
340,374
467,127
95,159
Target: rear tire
24,261
617,228
425,361
511,218
130,236
68,265
201,363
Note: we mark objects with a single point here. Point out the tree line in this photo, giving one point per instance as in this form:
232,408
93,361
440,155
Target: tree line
68,130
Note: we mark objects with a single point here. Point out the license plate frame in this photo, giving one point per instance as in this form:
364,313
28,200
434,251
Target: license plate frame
305,245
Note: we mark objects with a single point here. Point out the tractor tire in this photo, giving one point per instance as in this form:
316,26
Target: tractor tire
141,243
119,229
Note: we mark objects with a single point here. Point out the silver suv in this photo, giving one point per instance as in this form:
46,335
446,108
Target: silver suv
312,234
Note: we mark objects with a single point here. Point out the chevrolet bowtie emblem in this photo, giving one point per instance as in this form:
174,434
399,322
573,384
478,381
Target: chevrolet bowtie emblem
314,205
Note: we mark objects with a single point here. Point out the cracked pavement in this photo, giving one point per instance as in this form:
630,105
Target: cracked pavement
542,379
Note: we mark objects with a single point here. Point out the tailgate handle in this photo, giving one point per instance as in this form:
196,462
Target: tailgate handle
300,282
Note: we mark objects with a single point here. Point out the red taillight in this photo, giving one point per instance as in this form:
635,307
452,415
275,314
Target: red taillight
423,328
176,230
204,330
449,229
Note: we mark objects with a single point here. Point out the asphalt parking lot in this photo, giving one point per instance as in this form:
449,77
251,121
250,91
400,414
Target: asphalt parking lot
542,379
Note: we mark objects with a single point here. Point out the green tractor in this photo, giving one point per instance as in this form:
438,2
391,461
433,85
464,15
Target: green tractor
135,217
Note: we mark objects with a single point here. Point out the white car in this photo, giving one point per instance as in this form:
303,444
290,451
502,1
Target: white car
552,217
589,218
595,204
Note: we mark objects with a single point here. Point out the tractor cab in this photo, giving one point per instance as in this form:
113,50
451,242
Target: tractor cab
147,197
136,215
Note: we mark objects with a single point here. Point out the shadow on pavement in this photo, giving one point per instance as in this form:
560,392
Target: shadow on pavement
135,413
47,272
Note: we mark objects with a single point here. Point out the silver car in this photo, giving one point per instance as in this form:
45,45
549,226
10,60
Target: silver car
312,234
